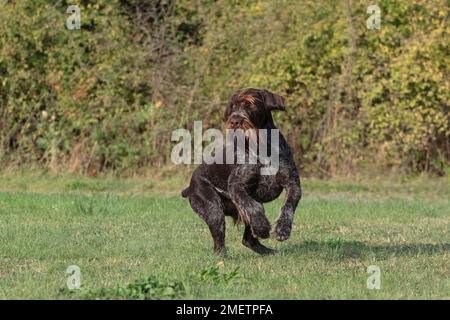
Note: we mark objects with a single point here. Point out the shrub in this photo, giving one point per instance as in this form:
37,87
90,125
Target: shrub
106,97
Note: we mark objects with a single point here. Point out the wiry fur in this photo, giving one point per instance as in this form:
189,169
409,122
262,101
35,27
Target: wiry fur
239,190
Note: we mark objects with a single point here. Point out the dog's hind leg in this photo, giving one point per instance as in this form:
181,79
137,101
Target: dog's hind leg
207,204
253,243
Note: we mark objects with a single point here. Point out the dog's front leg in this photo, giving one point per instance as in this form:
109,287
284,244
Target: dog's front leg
283,226
250,210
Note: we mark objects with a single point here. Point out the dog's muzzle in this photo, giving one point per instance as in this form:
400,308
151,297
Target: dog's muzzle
239,120
235,121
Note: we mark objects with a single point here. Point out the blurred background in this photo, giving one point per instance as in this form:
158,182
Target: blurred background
105,98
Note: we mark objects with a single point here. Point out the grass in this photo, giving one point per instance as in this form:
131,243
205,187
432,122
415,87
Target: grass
137,238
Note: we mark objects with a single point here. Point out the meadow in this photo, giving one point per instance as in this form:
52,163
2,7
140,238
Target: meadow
137,238
86,120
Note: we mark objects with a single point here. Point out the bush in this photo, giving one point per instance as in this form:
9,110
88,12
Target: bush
107,97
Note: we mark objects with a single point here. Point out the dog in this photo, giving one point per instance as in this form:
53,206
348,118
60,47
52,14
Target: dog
239,190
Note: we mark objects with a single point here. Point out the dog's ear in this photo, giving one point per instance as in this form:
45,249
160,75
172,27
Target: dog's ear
273,101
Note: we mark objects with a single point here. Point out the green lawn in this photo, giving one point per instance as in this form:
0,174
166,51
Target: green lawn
119,231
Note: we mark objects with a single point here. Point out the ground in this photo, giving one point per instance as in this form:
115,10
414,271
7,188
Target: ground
121,230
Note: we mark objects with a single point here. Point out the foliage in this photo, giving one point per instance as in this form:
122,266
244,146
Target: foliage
152,287
108,96
149,288
213,274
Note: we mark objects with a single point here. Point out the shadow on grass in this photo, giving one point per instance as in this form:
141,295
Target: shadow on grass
356,249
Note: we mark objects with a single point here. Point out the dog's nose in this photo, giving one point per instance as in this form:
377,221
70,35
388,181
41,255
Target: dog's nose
235,122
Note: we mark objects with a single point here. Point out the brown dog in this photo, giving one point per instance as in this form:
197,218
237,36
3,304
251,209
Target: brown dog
238,190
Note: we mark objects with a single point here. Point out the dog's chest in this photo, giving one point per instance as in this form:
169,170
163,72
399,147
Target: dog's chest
267,188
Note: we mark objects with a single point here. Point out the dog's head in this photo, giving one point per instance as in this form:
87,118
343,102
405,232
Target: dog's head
251,109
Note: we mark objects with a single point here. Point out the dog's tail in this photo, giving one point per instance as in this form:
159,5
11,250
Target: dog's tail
185,193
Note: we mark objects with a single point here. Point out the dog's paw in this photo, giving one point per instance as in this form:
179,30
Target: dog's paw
282,230
260,226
